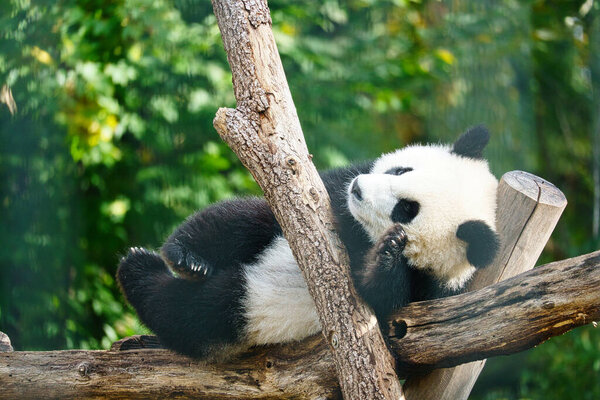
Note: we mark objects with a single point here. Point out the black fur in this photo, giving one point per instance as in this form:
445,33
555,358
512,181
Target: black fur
350,231
471,143
387,271
482,242
398,170
222,236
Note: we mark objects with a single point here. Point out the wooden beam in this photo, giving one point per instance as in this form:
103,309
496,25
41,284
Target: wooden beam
528,209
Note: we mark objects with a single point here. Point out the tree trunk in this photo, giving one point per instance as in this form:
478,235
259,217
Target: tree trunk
264,131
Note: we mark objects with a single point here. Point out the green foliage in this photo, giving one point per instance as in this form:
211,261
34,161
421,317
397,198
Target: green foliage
113,145
565,367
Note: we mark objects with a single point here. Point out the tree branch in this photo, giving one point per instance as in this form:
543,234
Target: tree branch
264,132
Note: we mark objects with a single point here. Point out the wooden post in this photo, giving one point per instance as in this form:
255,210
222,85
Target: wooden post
528,210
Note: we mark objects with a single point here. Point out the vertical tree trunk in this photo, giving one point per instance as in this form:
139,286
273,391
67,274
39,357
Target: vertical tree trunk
264,131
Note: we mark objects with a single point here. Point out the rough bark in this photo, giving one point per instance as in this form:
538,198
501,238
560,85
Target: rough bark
504,318
528,210
264,131
301,370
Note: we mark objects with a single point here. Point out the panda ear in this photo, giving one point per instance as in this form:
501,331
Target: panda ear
472,142
482,242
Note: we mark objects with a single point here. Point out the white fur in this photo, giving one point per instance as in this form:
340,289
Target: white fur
450,190
278,307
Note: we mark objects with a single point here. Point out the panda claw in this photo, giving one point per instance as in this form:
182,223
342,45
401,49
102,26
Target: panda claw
136,250
190,268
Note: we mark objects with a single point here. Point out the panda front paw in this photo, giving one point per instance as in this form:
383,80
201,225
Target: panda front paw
184,262
390,246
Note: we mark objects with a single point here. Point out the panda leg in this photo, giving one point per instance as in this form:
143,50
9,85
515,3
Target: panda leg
188,316
384,282
226,234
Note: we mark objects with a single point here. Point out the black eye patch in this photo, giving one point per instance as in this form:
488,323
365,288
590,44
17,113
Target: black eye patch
398,170
405,211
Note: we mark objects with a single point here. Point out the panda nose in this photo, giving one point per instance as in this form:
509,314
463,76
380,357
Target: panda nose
355,190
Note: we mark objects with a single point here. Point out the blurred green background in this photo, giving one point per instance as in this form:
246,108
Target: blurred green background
110,141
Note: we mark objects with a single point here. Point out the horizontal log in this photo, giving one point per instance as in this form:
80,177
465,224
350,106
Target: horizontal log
299,370
504,318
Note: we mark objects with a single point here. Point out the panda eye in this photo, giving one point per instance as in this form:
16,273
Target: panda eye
398,170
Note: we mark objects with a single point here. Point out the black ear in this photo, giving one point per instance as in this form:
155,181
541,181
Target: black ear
472,142
482,242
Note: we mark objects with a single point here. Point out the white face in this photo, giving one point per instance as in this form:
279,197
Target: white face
449,190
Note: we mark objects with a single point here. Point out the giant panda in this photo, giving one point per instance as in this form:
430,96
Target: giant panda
416,222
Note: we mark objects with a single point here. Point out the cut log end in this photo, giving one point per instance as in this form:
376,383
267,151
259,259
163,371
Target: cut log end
537,189
5,344
220,121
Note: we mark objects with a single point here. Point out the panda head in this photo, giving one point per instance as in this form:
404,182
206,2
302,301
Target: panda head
445,199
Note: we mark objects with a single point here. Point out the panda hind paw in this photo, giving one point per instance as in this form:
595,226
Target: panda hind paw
185,263
192,268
